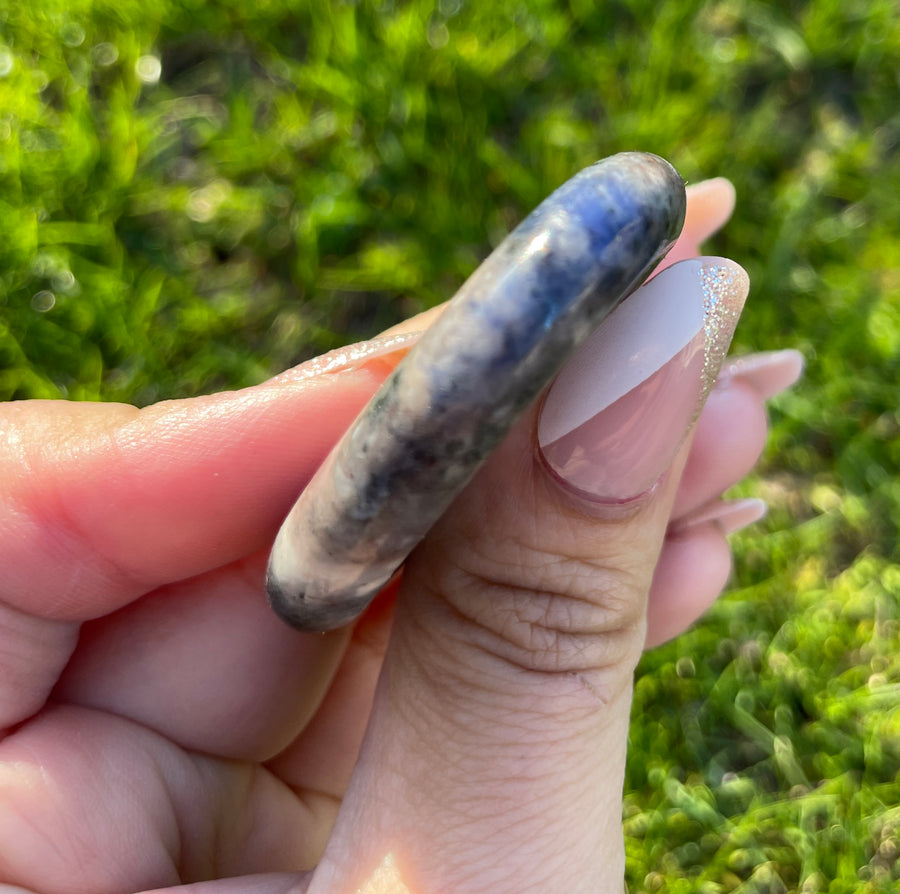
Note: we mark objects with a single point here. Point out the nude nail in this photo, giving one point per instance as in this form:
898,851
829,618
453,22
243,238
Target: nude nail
729,515
616,415
769,372
349,357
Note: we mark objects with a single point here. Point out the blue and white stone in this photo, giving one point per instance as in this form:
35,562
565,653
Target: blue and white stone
448,404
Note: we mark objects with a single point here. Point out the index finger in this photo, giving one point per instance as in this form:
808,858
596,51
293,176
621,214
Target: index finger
104,502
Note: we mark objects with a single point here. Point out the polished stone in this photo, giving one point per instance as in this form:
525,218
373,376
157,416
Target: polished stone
435,420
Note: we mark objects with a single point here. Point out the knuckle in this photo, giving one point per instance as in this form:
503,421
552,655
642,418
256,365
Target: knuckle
543,612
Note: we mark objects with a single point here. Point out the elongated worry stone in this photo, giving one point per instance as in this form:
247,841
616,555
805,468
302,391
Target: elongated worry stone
435,420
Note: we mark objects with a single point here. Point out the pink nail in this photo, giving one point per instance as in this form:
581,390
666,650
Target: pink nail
769,372
709,206
618,412
349,357
729,515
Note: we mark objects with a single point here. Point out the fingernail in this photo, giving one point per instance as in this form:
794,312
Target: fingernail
768,372
729,515
709,205
351,357
712,202
618,412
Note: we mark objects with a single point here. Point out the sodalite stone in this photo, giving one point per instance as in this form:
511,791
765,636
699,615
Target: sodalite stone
458,392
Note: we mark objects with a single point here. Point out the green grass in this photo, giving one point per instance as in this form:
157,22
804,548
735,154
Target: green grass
196,194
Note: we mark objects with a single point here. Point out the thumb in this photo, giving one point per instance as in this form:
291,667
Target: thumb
495,756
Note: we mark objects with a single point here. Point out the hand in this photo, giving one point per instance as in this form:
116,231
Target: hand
161,726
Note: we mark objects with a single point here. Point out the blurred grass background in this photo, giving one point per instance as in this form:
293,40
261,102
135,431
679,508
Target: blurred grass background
195,194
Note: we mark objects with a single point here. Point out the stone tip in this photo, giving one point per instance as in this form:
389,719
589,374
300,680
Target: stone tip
645,185
310,616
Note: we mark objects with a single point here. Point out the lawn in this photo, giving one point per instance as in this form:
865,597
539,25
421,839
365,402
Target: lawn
195,194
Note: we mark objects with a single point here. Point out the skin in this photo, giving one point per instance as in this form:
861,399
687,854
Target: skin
162,730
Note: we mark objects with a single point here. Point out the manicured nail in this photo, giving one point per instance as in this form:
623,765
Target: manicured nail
769,372
350,357
709,205
729,515
618,412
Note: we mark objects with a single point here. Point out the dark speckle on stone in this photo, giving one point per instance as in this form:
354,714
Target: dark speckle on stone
504,336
